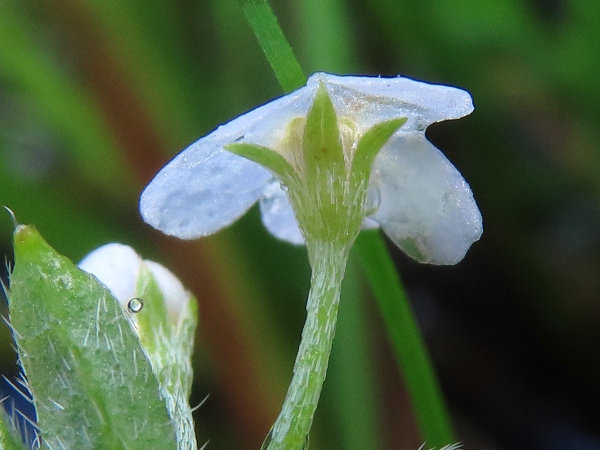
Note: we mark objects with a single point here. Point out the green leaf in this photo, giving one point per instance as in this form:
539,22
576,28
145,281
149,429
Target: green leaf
91,383
9,438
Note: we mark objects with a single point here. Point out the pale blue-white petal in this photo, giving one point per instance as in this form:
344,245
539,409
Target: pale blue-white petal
278,215
205,187
371,100
202,190
117,266
369,224
427,208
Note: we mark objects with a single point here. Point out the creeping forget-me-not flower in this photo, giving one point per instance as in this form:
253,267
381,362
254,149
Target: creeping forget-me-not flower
338,155
415,194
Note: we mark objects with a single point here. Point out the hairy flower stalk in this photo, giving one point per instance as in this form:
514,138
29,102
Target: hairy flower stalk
338,155
293,423
326,171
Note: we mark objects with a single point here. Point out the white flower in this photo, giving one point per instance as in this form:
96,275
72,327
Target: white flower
119,267
416,195
164,316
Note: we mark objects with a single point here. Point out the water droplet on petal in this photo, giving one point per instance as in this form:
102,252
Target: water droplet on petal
135,305
373,201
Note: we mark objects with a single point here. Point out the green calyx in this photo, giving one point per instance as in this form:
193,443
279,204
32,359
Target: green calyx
322,144
326,171
168,343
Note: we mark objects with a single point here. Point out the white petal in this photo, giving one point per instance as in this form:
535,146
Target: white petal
117,267
205,187
278,216
427,208
369,224
370,100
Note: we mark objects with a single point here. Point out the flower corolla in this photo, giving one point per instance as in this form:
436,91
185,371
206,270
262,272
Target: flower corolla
122,271
415,194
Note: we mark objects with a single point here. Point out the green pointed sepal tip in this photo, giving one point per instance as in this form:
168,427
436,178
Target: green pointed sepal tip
371,143
27,240
321,143
152,321
266,157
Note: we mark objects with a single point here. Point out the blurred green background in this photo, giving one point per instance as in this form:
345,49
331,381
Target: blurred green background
95,96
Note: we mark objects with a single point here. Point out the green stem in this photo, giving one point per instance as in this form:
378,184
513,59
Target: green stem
290,431
432,417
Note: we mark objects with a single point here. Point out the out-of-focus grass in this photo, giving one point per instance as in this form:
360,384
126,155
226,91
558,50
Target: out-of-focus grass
96,96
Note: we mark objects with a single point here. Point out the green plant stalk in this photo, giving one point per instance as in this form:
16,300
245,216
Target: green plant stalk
408,345
352,392
273,42
290,431
414,363
329,199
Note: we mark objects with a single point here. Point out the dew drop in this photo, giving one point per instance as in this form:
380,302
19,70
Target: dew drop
283,187
373,201
135,305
